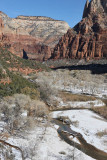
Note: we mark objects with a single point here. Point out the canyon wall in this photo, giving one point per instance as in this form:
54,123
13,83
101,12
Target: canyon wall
37,35
88,39
43,38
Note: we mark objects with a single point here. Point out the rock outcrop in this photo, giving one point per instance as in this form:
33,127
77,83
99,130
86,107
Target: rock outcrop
37,36
88,39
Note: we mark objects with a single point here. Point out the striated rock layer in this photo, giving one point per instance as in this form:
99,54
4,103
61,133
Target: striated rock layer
88,39
35,35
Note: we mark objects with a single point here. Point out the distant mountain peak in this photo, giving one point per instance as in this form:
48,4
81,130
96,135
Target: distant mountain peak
86,9
95,7
88,39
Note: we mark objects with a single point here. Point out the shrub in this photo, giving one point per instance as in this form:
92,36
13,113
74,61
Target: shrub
16,86
37,109
12,109
2,75
33,93
12,116
101,111
6,152
74,97
47,92
102,133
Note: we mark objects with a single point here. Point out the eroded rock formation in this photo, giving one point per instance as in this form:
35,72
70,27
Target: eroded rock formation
88,39
36,35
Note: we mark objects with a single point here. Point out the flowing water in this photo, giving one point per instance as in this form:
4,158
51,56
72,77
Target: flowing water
65,131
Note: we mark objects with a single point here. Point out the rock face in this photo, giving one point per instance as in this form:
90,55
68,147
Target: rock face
88,39
35,35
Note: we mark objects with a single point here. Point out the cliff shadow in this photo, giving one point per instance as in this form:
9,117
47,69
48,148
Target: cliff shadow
25,55
94,68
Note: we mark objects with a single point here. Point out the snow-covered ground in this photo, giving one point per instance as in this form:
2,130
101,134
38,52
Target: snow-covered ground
78,104
44,144
88,124
75,81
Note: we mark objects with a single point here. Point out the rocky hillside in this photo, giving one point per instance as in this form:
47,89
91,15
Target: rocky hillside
36,35
88,39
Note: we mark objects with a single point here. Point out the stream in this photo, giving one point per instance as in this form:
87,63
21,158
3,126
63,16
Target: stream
65,132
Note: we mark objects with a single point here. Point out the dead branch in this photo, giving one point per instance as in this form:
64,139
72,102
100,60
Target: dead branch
13,146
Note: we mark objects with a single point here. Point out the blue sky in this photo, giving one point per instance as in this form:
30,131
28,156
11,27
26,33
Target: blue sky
68,10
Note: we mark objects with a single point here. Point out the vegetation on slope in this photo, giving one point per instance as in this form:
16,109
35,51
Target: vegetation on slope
13,82
8,59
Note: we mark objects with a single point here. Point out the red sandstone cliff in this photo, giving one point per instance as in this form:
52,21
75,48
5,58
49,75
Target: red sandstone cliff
88,39
36,35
